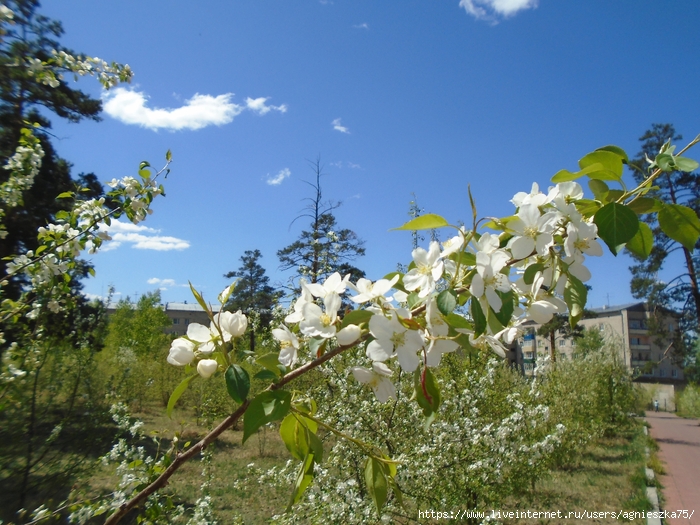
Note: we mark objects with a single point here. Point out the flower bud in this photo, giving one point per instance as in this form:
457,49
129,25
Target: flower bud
181,352
233,323
348,335
207,367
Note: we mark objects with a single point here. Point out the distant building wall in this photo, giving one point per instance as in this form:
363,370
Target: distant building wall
627,327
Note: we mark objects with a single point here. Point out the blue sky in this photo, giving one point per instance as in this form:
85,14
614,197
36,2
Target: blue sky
395,98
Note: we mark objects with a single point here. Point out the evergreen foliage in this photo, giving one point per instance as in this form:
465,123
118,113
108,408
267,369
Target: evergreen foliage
680,293
25,99
323,248
253,294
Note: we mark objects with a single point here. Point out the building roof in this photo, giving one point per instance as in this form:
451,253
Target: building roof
188,307
641,306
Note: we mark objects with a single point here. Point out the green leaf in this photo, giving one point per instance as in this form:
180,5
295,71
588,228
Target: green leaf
464,258
356,317
617,151
566,175
599,189
199,298
478,316
575,296
617,224
266,375
457,321
266,407
665,162
145,174
531,271
65,195
294,433
508,307
168,156
427,390
412,299
446,301
587,207
317,345
237,383
611,165
642,242
315,445
685,164
304,479
681,224
270,362
376,481
429,221
644,205
179,390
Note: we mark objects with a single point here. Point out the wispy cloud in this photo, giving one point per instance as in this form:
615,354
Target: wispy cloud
361,26
492,10
277,179
130,107
140,237
339,127
165,284
258,105
339,164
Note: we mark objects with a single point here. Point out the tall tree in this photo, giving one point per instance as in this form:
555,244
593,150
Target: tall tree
323,248
25,98
674,188
253,294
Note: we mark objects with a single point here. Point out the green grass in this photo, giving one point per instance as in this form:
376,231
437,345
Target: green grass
608,476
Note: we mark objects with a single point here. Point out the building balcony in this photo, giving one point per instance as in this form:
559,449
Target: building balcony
640,347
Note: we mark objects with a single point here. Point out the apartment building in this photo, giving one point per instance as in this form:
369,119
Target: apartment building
627,326
181,315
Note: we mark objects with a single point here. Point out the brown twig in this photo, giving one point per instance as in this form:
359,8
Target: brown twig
176,464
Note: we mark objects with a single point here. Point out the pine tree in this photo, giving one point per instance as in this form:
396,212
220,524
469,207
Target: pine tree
253,294
324,248
33,36
681,291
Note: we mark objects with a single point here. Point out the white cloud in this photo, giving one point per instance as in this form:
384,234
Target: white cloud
164,284
277,179
339,127
361,26
258,105
129,107
492,9
339,164
141,238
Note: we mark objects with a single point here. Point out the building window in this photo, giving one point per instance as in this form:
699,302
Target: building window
563,356
529,367
187,321
601,327
635,341
674,373
529,355
662,372
562,342
176,320
671,328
